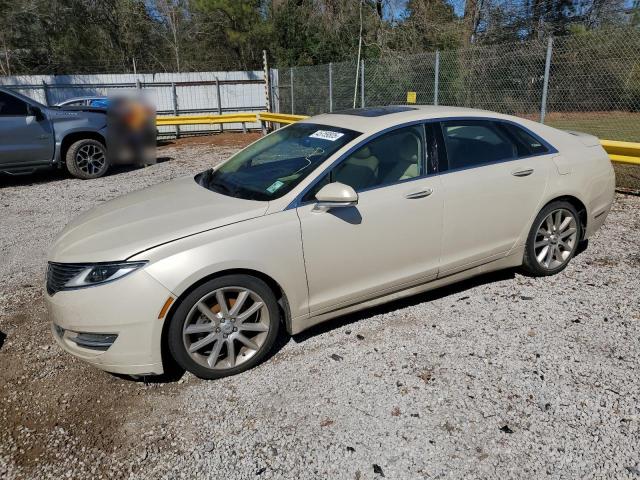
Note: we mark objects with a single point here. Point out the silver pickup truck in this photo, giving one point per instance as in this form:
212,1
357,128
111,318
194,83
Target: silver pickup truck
33,136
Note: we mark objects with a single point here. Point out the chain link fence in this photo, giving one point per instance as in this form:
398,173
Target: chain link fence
588,82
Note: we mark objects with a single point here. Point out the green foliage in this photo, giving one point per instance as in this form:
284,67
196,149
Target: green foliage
83,36
243,25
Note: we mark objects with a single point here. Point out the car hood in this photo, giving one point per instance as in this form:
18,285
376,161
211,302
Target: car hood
120,228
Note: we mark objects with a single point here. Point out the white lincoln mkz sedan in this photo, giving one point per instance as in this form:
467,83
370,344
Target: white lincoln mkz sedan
330,215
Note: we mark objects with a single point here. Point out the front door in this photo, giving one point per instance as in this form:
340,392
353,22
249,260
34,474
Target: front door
23,139
389,240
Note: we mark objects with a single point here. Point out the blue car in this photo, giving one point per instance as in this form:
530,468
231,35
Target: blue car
100,102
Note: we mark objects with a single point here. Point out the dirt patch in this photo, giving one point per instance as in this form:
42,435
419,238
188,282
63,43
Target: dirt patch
55,409
230,139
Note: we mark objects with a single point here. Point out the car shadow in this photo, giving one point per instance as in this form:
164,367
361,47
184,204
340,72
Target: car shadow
446,291
50,175
3,337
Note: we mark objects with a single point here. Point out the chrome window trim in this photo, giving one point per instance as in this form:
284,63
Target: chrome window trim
551,150
297,201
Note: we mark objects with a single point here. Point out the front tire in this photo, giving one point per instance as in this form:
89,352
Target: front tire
224,327
553,239
87,159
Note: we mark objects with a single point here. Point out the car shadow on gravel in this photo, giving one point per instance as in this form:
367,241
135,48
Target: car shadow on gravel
41,176
449,290
56,175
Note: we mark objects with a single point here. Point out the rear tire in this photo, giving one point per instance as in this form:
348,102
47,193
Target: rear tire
87,159
553,239
213,341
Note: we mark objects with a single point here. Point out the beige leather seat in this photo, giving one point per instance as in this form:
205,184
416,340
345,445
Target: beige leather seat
406,162
359,171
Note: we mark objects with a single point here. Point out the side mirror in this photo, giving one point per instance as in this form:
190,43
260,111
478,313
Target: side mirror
36,112
335,195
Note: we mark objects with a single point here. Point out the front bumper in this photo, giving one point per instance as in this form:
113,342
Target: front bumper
128,308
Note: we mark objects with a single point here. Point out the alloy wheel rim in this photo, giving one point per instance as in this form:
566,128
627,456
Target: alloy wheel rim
226,327
90,159
556,239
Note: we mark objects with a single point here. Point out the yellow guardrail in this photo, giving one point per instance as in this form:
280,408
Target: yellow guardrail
229,118
206,119
622,152
619,152
280,117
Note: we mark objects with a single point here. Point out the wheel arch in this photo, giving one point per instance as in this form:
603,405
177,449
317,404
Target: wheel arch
275,287
73,137
578,205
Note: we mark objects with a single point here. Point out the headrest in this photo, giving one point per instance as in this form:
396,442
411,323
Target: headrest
364,152
408,147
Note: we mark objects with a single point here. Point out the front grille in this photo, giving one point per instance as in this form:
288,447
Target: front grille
58,274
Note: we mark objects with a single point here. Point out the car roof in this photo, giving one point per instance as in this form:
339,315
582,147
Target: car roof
373,119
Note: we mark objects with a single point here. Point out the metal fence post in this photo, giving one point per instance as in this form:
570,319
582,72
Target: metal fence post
45,89
331,86
219,97
362,83
545,85
267,80
174,97
275,89
436,82
291,75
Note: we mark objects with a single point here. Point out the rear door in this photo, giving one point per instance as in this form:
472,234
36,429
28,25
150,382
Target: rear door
24,140
493,183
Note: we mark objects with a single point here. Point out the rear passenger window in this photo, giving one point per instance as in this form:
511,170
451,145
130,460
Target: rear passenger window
471,143
527,144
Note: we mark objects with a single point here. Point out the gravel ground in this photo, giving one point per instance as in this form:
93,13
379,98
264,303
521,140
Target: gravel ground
502,376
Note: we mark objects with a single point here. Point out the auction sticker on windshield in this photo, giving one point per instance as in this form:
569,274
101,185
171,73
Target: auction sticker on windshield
275,186
326,135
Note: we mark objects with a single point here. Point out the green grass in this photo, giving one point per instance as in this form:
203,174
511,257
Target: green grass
624,126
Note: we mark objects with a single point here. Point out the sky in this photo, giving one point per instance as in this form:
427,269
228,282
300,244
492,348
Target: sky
395,8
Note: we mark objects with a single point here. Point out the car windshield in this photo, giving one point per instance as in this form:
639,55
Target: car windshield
274,165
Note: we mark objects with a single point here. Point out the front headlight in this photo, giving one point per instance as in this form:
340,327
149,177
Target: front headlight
70,276
102,273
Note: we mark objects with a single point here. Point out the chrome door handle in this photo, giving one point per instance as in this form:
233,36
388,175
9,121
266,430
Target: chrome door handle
419,194
522,173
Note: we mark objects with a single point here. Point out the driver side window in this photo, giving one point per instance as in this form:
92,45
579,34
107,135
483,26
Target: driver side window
11,106
386,160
